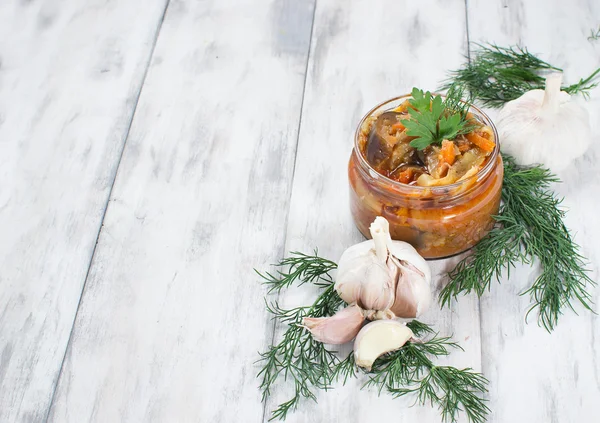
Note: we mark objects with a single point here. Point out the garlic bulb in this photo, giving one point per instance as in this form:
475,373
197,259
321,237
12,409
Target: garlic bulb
340,328
386,278
378,338
544,127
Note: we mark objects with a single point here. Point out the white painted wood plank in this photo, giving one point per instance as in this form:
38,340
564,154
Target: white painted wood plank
536,376
361,54
70,72
172,315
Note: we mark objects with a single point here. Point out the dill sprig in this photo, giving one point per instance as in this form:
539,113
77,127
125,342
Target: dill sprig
594,34
496,75
301,267
298,356
530,227
410,370
311,366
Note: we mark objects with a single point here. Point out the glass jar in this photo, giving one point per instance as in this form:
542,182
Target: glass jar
438,221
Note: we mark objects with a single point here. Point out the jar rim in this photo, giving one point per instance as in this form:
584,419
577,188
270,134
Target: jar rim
491,162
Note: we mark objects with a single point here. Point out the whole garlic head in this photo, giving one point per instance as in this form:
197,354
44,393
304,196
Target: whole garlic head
386,278
544,127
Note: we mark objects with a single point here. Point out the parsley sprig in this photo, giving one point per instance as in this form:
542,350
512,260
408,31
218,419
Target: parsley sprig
433,119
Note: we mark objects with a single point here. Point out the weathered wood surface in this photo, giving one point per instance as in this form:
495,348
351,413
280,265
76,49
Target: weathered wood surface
242,116
172,316
537,376
70,75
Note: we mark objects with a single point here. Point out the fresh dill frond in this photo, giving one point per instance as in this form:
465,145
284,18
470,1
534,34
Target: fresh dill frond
530,227
420,329
594,34
433,119
496,75
411,371
345,369
310,365
301,267
298,356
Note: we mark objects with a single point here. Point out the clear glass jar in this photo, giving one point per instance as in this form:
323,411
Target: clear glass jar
438,221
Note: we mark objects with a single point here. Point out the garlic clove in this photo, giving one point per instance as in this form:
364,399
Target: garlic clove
363,276
378,338
413,287
413,292
340,328
363,279
544,127
377,288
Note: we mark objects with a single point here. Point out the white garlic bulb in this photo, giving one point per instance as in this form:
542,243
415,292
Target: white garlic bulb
544,127
340,328
386,278
378,338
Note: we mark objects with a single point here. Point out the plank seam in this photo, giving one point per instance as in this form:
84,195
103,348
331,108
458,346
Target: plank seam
478,297
289,200
467,28
107,202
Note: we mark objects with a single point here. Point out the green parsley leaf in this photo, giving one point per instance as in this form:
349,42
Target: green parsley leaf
420,100
433,120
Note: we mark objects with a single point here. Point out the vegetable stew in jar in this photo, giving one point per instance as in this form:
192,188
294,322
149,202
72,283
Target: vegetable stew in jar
431,166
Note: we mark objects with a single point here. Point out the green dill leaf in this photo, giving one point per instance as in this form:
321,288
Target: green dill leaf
529,227
594,34
496,75
301,267
298,356
309,365
411,371
419,328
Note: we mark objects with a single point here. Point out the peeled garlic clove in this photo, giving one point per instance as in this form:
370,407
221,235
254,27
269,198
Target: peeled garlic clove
378,338
340,328
544,127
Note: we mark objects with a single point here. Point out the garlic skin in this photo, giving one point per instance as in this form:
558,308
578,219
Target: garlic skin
363,276
340,328
378,338
388,279
544,127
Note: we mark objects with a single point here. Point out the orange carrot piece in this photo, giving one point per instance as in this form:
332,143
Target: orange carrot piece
406,176
402,107
398,126
479,141
448,153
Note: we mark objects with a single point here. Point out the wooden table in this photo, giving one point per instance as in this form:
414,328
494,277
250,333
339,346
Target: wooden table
153,152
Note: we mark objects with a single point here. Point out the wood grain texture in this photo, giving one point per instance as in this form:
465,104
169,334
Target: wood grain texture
361,54
70,73
172,315
536,376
